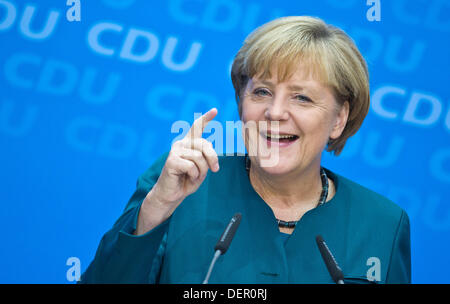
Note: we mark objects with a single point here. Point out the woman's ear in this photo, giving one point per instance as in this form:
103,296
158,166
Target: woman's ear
341,121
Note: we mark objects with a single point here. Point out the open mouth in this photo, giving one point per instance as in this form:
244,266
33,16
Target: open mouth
281,138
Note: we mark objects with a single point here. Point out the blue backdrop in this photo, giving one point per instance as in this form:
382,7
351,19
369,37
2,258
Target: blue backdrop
86,107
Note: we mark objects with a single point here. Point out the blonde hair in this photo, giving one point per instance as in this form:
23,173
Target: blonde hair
327,52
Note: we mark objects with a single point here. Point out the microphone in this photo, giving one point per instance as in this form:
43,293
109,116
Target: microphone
224,242
332,266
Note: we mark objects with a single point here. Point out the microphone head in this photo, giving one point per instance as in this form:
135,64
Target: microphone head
332,266
228,234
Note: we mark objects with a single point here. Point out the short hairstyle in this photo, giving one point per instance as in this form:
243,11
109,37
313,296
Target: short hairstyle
326,51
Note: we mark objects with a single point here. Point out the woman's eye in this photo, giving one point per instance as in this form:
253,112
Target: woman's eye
261,92
303,98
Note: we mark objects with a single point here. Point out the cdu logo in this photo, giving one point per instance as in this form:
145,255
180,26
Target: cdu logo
60,78
419,108
133,36
26,25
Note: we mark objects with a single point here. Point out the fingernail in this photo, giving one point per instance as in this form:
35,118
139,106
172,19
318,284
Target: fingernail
216,167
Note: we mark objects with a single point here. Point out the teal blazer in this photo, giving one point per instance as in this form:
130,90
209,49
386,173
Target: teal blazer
367,233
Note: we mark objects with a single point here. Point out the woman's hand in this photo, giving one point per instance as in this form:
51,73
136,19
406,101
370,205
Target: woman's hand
183,173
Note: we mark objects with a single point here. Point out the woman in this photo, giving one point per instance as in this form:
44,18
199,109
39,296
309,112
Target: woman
306,85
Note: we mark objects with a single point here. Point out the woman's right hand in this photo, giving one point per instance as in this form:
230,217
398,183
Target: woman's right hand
185,170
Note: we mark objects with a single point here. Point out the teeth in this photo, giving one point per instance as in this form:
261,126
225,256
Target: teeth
280,136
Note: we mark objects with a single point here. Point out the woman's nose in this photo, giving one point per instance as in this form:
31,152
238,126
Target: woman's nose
277,109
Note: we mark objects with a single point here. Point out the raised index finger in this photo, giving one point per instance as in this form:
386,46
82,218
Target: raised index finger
199,124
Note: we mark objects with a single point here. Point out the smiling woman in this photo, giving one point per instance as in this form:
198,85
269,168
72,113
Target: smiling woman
328,58
318,95
302,87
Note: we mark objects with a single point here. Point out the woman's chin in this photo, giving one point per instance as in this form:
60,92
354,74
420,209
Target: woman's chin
276,166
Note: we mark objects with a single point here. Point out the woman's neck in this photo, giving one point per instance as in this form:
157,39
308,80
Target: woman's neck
296,189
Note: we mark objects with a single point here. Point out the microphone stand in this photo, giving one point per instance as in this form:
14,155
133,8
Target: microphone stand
211,266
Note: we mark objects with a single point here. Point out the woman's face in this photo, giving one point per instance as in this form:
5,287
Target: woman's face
306,112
